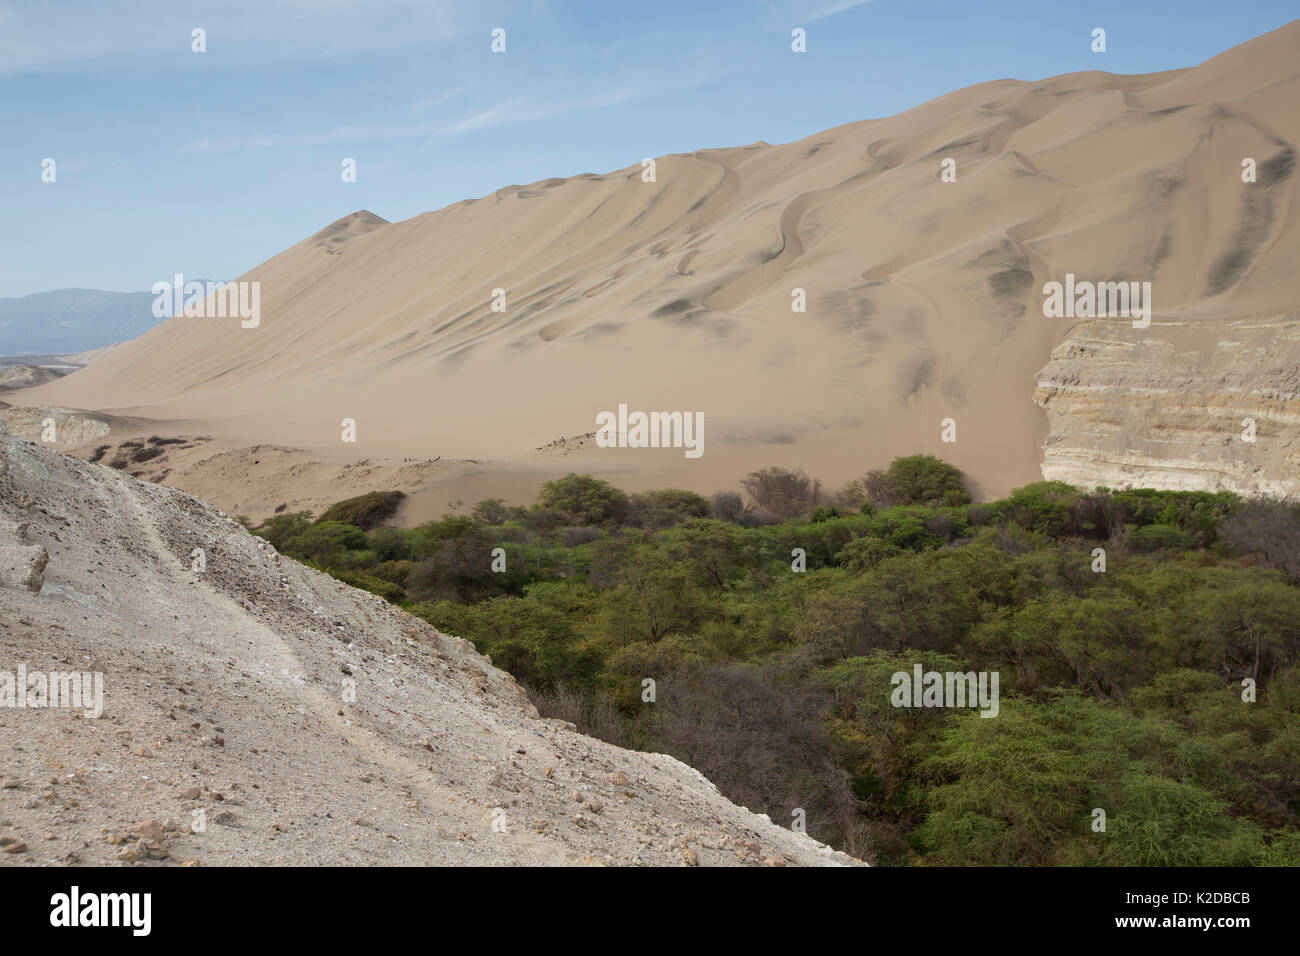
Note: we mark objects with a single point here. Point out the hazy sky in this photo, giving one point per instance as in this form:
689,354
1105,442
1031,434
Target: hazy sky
174,161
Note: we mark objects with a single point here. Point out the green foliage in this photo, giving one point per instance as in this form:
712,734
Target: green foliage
462,568
280,529
426,540
652,598
395,572
327,543
1122,691
1023,788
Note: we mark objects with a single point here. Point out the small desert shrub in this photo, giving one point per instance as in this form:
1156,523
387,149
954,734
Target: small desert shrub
145,454
496,511
780,494
727,506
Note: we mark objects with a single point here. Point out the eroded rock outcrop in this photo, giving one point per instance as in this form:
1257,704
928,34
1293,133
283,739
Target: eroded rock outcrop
69,426
1172,406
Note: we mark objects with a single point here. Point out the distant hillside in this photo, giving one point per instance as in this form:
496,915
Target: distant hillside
73,320
25,376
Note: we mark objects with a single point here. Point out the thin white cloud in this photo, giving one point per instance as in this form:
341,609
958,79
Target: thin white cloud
47,35
793,13
822,11
357,133
507,113
435,101
518,110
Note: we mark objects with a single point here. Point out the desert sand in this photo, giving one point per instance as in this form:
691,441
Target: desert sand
924,300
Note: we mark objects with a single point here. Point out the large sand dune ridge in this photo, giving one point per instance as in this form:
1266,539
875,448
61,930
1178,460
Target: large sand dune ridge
924,299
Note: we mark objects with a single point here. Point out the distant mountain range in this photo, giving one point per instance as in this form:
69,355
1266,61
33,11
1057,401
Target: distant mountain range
73,320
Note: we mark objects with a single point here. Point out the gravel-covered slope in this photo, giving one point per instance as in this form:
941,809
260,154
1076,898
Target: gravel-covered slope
226,738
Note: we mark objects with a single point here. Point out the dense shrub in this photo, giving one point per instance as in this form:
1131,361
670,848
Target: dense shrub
925,480
779,494
727,506
283,527
1268,531
584,500
662,509
327,543
1152,537
496,511
364,511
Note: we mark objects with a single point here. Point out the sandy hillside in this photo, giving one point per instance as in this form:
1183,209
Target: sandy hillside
85,358
924,299
223,693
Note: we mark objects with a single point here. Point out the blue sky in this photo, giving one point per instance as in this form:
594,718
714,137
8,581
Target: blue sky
172,161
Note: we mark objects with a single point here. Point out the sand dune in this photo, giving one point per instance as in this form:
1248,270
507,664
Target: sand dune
924,297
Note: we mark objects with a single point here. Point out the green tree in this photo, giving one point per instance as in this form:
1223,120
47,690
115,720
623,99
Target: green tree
654,597
926,480
584,500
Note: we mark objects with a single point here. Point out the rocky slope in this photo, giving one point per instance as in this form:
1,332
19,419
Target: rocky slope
231,732
25,376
